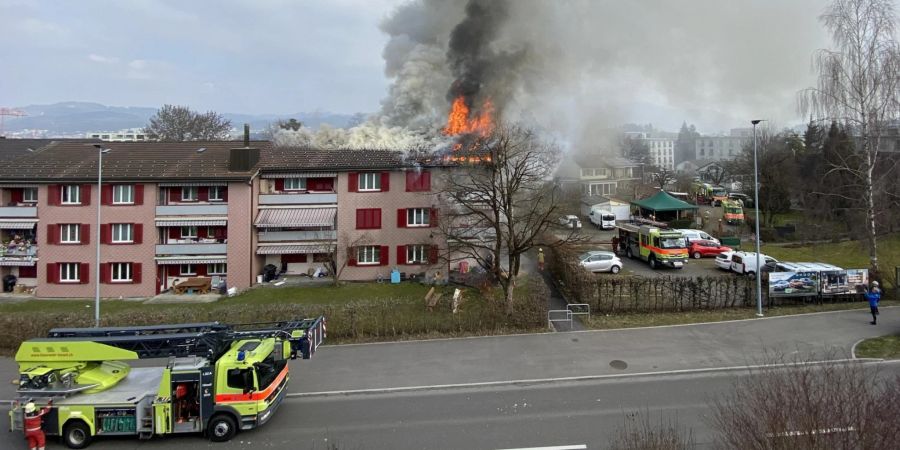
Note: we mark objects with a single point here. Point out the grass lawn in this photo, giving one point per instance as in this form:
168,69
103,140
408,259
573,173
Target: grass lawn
886,347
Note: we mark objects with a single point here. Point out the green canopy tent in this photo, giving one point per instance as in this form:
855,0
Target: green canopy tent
663,207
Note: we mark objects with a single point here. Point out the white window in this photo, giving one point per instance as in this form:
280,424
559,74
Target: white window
122,232
189,193
29,195
370,254
70,194
370,181
123,194
189,232
217,269
68,272
188,269
417,217
211,232
416,254
120,271
216,193
298,184
70,233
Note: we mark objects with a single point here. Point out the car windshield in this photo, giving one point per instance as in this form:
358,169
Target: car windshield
718,192
672,242
608,217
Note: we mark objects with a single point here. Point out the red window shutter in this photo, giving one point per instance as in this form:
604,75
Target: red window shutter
360,219
106,195
105,276
353,182
105,233
84,273
401,254
351,256
85,194
16,195
221,233
53,195
385,257
401,218
52,273
28,271
376,219
139,194
174,194
201,232
279,184
385,181
433,217
224,194
137,230
203,193
432,254
200,269
174,232
52,234
410,181
136,273
425,181
85,234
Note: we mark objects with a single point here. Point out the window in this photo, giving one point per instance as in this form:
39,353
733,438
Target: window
370,254
189,231
70,233
295,184
417,217
70,194
240,379
122,232
211,232
189,193
29,195
370,182
123,194
188,269
418,181
416,254
120,272
68,272
217,193
368,219
217,269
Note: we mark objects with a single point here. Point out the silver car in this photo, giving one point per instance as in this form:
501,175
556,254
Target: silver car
570,221
600,261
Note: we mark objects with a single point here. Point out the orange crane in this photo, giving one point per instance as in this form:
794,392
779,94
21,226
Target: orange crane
9,112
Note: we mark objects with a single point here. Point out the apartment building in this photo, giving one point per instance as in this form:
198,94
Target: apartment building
720,148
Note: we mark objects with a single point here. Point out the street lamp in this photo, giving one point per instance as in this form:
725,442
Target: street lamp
759,312
100,152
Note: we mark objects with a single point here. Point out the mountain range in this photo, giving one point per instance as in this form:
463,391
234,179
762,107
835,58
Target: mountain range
76,118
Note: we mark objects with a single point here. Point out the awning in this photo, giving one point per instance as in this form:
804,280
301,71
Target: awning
295,217
193,183
187,221
8,224
19,185
17,262
300,175
211,259
293,249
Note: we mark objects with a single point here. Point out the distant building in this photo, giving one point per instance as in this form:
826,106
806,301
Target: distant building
597,174
128,135
720,148
661,145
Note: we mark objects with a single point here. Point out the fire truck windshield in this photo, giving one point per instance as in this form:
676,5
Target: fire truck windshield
672,242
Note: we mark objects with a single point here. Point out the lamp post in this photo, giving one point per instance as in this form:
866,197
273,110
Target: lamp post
759,311
100,152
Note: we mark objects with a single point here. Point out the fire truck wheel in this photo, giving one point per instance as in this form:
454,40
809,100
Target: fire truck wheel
76,434
221,428
653,263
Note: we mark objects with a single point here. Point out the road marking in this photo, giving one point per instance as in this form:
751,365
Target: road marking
557,447
853,348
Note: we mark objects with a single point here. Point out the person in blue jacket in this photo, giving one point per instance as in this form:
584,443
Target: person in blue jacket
873,296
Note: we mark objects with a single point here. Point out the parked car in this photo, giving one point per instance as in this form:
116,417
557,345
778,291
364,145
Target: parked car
570,221
723,260
701,248
697,235
600,261
744,263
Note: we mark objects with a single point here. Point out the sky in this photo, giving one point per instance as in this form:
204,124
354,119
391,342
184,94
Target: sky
707,62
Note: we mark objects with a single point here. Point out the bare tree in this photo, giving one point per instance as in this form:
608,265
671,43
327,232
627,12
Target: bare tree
179,123
339,256
857,87
663,177
500,200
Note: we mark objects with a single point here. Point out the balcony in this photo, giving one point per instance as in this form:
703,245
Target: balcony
18,211
192,249
18,256
192,210
279,236
297,199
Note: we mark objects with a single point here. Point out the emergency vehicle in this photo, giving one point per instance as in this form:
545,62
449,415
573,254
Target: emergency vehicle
656,245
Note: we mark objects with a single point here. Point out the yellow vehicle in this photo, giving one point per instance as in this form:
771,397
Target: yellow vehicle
218,379
657,246
734,213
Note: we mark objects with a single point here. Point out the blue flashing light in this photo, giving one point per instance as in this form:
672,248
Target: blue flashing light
240,355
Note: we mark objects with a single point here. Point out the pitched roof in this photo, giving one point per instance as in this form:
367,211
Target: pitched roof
12,148
288,158
662,201
77,160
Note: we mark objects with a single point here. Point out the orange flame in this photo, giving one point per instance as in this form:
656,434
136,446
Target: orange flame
459,122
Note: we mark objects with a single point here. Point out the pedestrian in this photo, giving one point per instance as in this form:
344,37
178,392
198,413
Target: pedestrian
33,423
873,297
615,245
876,289
541,259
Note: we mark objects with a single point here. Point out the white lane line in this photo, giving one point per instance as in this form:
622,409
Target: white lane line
556,447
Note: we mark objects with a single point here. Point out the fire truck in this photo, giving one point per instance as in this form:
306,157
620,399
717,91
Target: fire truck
654,244
734,213
218,378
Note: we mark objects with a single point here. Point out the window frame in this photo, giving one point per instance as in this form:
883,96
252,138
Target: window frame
116,269
189,190
211,269
72,191
68,269
121,226
363,182
25,198
295,184
65,232
120,189
191,266
411,251
372,254
219,190
189,236
424,220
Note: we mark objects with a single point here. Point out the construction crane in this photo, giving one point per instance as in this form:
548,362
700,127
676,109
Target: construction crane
9,112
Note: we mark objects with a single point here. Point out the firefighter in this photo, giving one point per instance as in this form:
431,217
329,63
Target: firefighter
33,422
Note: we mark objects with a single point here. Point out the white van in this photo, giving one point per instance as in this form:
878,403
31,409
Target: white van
697,235
602,218
744,263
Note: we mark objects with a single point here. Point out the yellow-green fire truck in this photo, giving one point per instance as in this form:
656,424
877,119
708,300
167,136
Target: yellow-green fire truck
218,379
657,246
734,213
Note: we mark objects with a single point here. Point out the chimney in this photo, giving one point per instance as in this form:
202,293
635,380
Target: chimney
245,158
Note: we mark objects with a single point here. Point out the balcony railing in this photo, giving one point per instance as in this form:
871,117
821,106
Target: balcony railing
297,199
18,211
277,236
191,249
191,210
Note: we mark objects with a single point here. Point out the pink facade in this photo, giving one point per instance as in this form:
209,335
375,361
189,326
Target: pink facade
240,235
